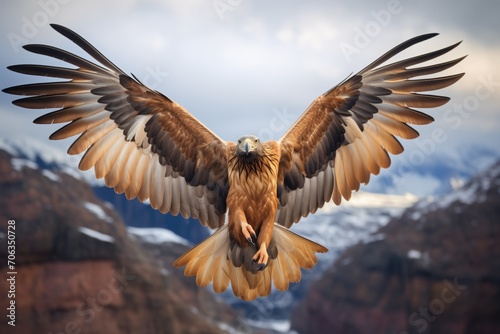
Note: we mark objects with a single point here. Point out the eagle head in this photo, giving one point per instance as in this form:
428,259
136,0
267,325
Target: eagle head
249,147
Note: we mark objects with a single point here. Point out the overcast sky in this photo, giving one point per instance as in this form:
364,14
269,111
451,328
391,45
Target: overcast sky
252,67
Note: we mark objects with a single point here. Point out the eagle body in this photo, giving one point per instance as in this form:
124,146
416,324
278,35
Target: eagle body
252,196
149,147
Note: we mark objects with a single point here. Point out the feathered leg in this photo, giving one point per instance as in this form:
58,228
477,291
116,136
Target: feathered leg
240,229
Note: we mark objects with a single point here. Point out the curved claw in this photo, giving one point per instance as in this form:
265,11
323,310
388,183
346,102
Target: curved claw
250,241
260,266
254,237
249,233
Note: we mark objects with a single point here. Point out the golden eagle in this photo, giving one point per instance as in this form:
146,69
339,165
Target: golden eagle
145,145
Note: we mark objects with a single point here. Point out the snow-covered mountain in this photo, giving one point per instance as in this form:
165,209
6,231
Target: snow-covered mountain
337,227
434,174
474,192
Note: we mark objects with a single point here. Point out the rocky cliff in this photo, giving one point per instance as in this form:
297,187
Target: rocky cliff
436,269
78,270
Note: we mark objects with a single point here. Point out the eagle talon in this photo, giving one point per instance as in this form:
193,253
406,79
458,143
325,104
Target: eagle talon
249,233
261,257
250,241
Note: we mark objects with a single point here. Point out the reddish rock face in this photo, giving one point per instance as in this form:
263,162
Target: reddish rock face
437,270
72,281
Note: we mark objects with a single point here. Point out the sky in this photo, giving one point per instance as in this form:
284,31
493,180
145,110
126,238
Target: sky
252,67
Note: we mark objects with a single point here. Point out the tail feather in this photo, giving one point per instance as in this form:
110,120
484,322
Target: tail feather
221,277
192,267
264,288
279,276
240,284
290,266
253,280
210,267
210,262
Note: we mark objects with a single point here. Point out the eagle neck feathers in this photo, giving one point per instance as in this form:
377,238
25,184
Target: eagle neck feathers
262,164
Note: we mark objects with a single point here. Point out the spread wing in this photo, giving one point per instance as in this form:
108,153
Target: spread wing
346,134
141,142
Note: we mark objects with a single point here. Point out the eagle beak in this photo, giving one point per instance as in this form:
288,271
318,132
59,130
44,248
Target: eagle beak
247,148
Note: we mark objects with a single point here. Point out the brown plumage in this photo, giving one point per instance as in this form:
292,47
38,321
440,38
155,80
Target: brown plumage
145,145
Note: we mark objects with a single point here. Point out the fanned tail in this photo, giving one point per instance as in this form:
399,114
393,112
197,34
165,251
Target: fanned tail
210,263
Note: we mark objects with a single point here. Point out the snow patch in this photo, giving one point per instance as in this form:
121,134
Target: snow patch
467,195
456,183
363,199
473,192
373,238
276,325
416,215
95,234
50,175
109,205
414,254
29,149
157,235
227,328
18,164
97,211
164,271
